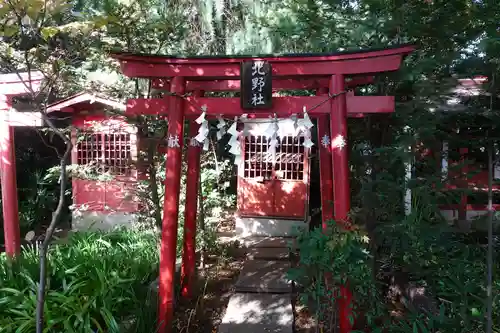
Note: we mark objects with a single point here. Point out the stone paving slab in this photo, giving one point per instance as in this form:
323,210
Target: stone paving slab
258,313
256,241
269,253
265,276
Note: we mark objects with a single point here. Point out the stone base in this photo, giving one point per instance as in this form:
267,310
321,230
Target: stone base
265,226
262,276
268,253
451,215
256,313
102,221
267,242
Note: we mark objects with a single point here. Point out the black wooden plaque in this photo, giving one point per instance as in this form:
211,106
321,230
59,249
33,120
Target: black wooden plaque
256,85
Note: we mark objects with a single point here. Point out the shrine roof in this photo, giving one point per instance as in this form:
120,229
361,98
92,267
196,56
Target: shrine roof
85,100
285,57
465,90
18,83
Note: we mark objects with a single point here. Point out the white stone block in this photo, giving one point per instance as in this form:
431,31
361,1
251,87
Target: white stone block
272,227
102,221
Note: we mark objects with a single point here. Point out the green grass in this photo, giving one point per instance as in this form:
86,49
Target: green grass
96,282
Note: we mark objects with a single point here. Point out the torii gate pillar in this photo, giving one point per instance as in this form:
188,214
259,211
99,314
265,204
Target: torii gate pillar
340,159
191,208
8,181
342,193
171,204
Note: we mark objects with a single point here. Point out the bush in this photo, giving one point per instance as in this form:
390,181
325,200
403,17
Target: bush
96,282
447,265
330,259
454,276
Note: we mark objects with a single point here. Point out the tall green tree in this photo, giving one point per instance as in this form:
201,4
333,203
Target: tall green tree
38,36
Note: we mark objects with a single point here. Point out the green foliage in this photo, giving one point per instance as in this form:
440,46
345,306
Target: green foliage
217,199
38,202
96,282
456,38
36,193
328,260
456,280
448,264
216,196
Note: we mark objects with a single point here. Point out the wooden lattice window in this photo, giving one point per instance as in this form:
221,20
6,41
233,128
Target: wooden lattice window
258,162
287,163
290,158
109,152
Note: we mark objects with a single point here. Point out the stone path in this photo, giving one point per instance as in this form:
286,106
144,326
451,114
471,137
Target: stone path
262,300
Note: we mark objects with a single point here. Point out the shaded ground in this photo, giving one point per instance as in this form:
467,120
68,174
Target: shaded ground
204,312
304,322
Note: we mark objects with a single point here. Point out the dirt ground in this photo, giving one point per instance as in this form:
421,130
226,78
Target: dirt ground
204,312
304,321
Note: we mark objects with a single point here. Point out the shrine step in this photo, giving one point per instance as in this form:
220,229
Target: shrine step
265,226
264,276
256,313
268,253
266,242
262,300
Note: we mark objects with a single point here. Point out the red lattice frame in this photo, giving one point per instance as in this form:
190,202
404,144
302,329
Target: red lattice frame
111,152
287,164
112,145
257,159
268,184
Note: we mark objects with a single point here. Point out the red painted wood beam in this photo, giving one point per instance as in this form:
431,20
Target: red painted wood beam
278,84
12,85
377,64
471,186
325,168
191,208
282,106
9,190
200,60
171,207
341,188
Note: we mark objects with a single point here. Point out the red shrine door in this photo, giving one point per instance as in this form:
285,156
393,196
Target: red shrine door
274,188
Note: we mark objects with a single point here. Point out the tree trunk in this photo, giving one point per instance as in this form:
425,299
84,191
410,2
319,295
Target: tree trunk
489,286
52,227
203,258
153,185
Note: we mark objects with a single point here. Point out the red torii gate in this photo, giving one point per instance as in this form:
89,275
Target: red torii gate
328,74
13,85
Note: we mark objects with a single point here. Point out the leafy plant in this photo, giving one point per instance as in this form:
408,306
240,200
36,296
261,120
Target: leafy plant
449,265
95,283
328,260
